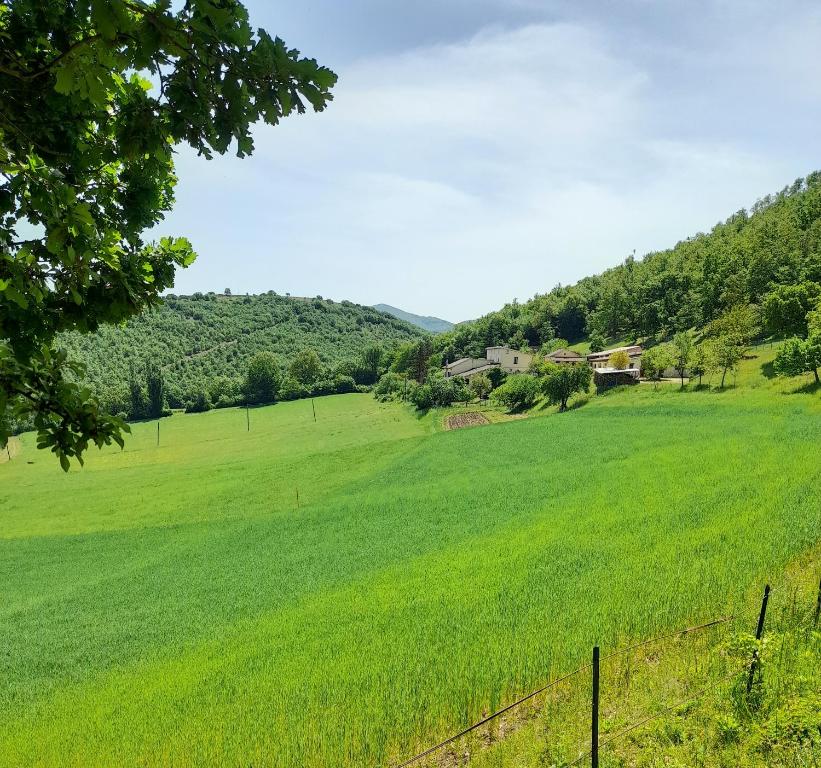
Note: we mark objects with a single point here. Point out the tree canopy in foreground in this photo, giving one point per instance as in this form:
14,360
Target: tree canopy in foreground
86,166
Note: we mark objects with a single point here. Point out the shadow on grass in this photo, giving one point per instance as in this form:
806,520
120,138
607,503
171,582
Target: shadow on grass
810,388
768,370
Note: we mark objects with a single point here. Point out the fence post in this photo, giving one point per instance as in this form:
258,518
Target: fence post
817,606
247,418
758,632
594,724
158,432
314,408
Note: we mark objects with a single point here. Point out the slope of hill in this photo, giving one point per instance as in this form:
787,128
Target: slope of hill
777,242
427,323
200,337
346,591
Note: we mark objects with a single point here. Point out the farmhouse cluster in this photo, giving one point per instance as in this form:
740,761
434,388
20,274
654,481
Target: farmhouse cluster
516,361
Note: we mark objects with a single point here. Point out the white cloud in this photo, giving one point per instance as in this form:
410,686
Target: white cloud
451,178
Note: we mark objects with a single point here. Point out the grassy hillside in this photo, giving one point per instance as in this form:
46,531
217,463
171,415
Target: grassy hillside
198,338
179,606
426,323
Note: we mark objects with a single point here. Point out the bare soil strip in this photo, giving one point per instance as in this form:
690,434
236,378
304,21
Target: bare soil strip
460,420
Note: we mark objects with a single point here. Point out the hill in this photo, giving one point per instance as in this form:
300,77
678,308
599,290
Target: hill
432,324
198,339
777,242
211,600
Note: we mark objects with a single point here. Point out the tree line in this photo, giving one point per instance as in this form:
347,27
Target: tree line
764,257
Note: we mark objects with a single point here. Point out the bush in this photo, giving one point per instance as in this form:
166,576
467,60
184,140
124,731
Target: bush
290,389
518,393
199,403
389,386
421,396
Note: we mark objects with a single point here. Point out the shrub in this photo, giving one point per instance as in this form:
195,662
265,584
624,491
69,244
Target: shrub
199,403
390,385
518,393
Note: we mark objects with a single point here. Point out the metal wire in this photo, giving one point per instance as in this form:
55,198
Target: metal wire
518,702
703,692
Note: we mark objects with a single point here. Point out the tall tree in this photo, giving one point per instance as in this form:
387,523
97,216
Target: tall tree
306,367
155,385
86,166
683,350
562,381
263,379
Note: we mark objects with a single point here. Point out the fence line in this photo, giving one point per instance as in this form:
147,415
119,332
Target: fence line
553,683
665,710
492,716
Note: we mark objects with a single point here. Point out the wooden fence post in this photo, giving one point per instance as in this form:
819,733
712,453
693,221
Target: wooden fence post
758,632
594,724
247,418
158,433
314,408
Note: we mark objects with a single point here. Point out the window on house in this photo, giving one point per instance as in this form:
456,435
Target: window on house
515,360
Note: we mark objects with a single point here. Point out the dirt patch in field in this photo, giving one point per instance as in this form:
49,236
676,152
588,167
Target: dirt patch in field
460,420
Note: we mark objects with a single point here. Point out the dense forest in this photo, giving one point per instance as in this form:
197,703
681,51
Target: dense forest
739,262
201,346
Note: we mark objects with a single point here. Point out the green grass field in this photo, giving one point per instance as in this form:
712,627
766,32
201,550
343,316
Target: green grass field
173,605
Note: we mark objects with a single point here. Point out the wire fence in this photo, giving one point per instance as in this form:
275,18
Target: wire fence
749,665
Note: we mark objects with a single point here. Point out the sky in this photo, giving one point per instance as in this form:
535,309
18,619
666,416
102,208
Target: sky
478,151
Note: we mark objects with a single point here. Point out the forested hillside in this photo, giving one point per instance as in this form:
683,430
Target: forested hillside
777,242
204,343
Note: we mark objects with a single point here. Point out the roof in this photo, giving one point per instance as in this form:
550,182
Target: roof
635,349
480,369
567,354
456,362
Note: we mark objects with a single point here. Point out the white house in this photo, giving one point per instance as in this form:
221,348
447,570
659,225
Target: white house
509,360
600,361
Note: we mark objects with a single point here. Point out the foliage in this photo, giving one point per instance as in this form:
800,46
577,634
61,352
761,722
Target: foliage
561,382
371,362
155,386
700,362
86,161
437,392
481,386
786,307
518,393
263,379
390,385
305,368
199,340
799,356
656,360
726,352
199,403
619,360
682,345
596,341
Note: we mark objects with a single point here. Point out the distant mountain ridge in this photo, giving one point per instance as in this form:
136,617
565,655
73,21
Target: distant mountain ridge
427,323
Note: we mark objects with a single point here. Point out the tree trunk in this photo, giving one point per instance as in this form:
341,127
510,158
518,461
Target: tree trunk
817,380
723,374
